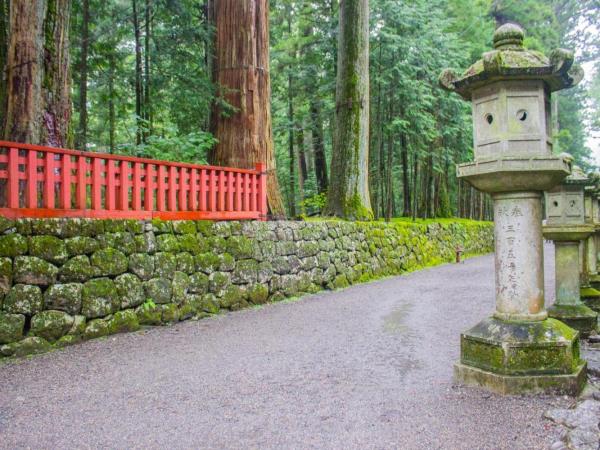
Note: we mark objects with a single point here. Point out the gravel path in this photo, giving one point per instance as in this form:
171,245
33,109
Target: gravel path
367,367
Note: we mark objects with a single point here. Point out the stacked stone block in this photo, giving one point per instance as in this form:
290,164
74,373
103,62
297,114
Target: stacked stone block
67,280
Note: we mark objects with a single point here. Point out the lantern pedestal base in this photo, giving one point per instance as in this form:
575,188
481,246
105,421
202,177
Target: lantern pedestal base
580,317
571,384
589,293
510,357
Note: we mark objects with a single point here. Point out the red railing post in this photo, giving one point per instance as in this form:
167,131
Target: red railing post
49,179
32,180
13,177
261,168
65,186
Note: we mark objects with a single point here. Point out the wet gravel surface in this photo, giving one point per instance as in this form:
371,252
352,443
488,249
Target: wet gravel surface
367,367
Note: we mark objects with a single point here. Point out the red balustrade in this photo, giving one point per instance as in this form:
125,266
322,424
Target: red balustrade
38,181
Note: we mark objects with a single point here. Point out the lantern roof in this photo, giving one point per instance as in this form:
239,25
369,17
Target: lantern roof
510,60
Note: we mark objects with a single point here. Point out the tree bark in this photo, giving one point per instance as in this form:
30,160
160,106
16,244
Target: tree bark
139,135
349,190
81,141
4,18
147,75
241,72
38,102
320,160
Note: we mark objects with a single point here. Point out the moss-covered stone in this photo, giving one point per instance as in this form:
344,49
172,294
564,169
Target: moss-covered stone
97,328
189,243
130,290
198,283
207,262
184,227
115,225
167,243
240,247
78,327
51,325
180,285
99,298
6,276
64,297
165,264
170,313
246,271
218,282
6,224
29,346
209,304
159,290
49,248
134,226
145,243
233,295
81,245
67,340
76,269
11,327
185,263
13,245
24,299
91,227
123,241
149,314
142,265
205,227
124,321
258,294
162,226
109,262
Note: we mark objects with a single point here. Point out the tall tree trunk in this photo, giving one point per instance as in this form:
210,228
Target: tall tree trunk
292,153
406,210
38,103
81,139
147,74
57,76
4,18
139,134
111,102
349,191
320,159
302,169
241,71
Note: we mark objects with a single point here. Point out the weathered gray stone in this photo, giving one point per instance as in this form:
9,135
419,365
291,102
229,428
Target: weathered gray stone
188,243
170,313
11,327
165,264
180,285
257,293
246,271
207,262
76,269
124,321
167,243
218,282
185,263
78,327
149,314
198,283
81,245
142,265
64,297
99,298
123,241
29,346
184,227
49,248
97,328
130,290
159,290
51,325
6,275
33,270
13,245
24,299
109,262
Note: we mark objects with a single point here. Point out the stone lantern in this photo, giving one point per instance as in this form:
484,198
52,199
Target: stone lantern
588,258
567,226
518,349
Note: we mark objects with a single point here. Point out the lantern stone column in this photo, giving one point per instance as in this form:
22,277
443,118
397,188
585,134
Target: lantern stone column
566,225
589,265
518,349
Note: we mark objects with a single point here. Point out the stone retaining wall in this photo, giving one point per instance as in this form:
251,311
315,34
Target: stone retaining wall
67,280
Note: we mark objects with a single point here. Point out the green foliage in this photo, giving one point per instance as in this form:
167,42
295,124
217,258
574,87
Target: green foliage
314,204
190,148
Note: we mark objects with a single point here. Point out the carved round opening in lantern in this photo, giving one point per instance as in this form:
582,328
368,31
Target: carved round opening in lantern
522,115
489,118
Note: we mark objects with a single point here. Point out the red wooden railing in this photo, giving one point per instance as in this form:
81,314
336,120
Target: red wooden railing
38,181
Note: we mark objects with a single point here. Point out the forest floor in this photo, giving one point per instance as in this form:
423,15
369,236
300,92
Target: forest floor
365,367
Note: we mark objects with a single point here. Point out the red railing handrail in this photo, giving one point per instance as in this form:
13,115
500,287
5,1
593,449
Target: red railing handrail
65,151
73,183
